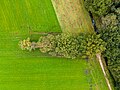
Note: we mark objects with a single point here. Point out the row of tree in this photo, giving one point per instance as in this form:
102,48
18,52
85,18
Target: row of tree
66,45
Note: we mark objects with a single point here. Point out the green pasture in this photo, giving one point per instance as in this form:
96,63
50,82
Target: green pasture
23,70
28,15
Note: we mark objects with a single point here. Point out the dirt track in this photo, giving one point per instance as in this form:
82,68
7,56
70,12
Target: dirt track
105,75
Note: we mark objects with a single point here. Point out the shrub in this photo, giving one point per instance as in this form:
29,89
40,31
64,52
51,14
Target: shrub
94,45
109,20
26,44
46,43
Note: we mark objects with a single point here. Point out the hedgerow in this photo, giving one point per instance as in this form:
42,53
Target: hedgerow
68,46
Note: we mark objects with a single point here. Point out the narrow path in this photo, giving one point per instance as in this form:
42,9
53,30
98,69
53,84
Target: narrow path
105,75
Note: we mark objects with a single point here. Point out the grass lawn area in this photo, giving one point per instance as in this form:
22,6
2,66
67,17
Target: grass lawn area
22,70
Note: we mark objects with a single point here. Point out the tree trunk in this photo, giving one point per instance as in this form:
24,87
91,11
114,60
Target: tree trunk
73,16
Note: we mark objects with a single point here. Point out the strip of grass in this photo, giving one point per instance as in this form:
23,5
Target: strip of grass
97,74
23,70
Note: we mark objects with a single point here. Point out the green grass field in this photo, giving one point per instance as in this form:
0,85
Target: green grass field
22,70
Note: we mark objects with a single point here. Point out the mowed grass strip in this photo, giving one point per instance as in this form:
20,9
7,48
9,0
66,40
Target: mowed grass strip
23,70
97,75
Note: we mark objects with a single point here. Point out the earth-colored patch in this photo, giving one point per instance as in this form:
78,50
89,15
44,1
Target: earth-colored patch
73,16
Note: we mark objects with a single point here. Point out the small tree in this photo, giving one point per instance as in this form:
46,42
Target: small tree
46,43
26,44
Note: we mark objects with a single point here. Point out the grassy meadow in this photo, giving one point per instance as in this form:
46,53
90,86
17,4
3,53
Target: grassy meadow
23,70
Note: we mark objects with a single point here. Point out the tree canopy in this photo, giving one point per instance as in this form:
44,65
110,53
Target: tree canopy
98,7
65,45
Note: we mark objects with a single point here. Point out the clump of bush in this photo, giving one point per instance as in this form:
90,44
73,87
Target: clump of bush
95,45
46,43
28,45
68,46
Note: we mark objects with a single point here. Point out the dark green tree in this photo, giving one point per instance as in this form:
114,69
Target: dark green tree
98,7
110,33
112,52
